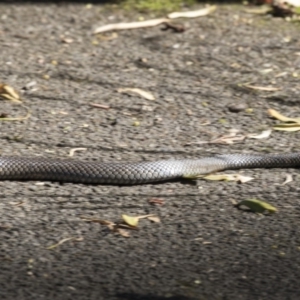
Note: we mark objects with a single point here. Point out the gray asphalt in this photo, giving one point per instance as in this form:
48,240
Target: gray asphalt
204,248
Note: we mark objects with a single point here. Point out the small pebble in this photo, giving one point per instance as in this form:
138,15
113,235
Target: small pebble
237,107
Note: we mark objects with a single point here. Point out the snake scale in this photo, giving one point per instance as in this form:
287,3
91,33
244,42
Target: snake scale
130,173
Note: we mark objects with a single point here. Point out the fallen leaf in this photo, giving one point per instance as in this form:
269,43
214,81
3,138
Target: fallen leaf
155,22
154,219
140,92
131,221
60,242
206,243
123,232
228,177
227,139
275,114
257,206
243,179
156,201
193,14
289,178
130,25
287,127
8,93
262,88
100,105
220,177
72,151
265,134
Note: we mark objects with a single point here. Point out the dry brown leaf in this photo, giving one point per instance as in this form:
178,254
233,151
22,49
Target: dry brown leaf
72,151
289,178
140,92
123,232
131,25
227,139
275,114
193,14
156,201
265,134
8,93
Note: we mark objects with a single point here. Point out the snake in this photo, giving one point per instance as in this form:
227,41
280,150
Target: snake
130,173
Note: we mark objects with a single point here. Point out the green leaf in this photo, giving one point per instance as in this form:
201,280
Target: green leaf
257,206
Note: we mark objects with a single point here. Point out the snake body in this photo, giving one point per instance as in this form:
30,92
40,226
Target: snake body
45,169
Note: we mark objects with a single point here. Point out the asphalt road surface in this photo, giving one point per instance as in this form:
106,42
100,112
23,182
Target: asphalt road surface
203,247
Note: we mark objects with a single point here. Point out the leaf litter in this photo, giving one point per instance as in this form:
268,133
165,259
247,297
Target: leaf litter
130,223
230,138
155,22
133,221
233,137
288,124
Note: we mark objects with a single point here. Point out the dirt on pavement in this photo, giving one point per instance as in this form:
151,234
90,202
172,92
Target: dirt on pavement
204,247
